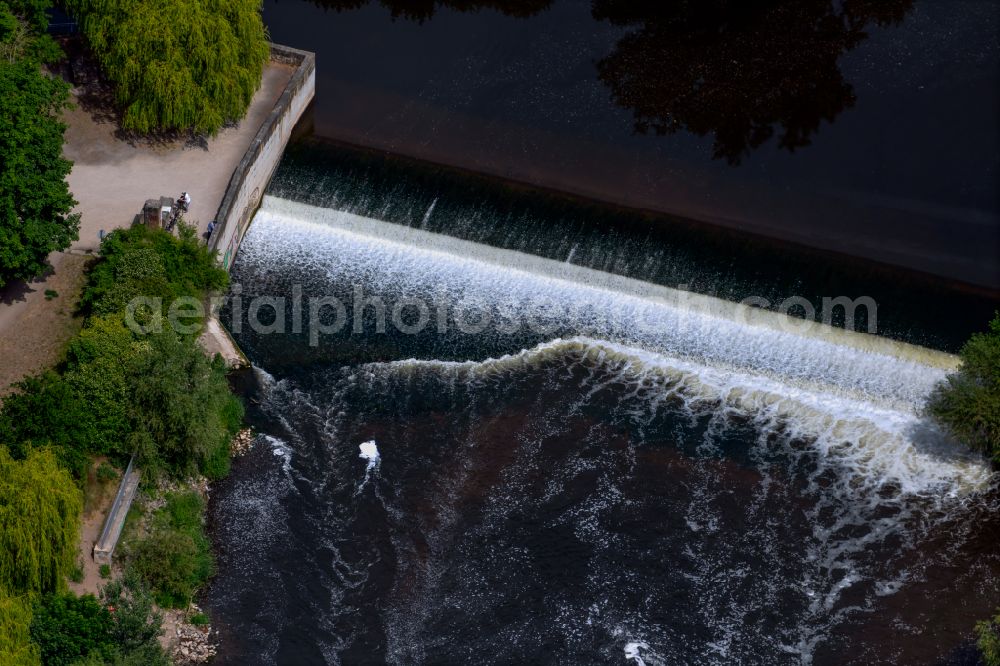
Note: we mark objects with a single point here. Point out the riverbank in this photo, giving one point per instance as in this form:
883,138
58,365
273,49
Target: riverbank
111,178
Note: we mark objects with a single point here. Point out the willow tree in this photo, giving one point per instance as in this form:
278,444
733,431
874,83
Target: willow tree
16,648
39,520
177,64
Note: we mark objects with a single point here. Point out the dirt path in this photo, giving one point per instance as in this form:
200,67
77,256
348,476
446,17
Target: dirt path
98,497
34,330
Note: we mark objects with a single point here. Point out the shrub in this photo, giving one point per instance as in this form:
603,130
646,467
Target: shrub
183,407
40,509
177,64
106,473
988,640
136,624
67,628
156,395
45,411
32,10
175,557
968,401
151,262
199,620
105,571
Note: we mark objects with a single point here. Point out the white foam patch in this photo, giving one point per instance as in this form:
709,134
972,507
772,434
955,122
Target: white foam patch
369,452
633,652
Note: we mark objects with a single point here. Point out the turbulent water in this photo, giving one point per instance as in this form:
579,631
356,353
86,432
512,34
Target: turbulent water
540,462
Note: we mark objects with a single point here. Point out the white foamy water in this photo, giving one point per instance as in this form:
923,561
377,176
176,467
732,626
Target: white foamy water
633,652
369,452
857,397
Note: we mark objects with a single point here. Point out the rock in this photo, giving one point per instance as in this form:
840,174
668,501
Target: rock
242,443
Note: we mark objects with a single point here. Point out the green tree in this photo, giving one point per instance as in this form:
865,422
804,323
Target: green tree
16,648
35,201
177,64
136,624
185,413
39,521
67,628
46,412
33,11
140,261
968,401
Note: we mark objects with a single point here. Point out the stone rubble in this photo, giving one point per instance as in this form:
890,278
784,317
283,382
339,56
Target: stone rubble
242,443
190,644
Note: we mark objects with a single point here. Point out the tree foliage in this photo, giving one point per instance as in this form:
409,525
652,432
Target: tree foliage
120,391
35,201
67,628
988,640
136,624
968,401
39,513
153,263
16,648
32,11
177,64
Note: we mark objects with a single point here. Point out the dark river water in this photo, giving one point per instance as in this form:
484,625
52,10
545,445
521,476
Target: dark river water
868,128
497,425
478,453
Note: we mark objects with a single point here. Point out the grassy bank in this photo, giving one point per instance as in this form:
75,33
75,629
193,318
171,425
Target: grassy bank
128,383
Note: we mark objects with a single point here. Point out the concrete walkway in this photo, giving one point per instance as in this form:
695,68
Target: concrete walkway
111,179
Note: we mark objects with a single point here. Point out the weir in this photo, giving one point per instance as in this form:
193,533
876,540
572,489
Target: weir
857,397
736,458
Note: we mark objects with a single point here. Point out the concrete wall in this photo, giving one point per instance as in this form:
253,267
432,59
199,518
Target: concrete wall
252,175
105,546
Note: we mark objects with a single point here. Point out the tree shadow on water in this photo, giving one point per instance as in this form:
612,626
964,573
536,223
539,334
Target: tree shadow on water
739,70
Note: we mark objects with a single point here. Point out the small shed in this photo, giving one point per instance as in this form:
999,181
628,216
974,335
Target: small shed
156,212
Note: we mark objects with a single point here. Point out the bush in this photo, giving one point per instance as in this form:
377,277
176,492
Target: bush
67,628
988,640
175,557
137,624
968,401
184,409
151,262
177,64
40,509
199,620
105,571
106,473
45,411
